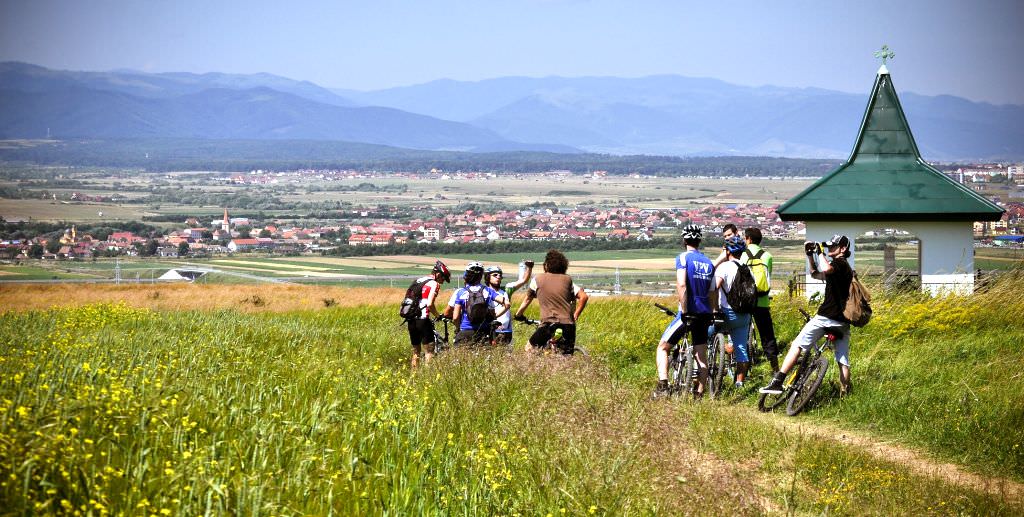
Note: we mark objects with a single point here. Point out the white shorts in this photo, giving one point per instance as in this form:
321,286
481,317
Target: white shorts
815,329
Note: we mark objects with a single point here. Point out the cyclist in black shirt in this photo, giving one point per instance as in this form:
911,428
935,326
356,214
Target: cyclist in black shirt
838,275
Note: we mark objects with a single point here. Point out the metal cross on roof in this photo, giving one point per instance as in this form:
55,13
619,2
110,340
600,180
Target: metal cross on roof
885,53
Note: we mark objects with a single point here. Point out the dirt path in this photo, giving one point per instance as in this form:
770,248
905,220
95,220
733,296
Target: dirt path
916,461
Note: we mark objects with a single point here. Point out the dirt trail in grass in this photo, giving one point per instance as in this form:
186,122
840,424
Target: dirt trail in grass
914,460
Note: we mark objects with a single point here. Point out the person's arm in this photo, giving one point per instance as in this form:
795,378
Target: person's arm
522,281
581,303
530,295
713,293
456,314
722,257
681,289
430,300
503,304
449,311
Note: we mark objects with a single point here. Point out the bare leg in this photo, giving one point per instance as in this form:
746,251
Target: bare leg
701,352
661,359
844,379
741,371
416,357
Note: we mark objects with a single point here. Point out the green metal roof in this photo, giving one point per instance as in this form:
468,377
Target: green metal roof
885,177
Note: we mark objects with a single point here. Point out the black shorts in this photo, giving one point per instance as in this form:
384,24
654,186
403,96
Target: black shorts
698,329
567,345
421,332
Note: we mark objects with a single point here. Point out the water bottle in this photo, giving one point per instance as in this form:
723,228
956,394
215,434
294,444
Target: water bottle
555,338
522,269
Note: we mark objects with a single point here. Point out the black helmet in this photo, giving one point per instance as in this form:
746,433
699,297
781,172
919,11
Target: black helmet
837,240
439,267
692,231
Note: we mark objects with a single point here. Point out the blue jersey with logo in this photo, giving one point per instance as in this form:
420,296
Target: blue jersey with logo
700,275
461,297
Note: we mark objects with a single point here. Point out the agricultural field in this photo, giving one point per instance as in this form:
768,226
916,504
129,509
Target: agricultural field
511,190
295,400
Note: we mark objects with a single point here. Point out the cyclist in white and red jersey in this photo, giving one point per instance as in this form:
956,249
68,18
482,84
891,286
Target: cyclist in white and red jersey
421,328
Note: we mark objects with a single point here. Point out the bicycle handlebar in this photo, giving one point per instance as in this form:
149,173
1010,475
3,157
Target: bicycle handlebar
664,309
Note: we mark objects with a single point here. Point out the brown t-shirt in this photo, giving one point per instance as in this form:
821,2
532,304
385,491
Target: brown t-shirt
556,296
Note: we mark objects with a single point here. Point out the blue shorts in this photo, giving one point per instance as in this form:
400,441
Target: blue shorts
738,326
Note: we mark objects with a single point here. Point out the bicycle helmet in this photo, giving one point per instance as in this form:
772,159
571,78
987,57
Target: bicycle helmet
439,267
692,231
474,267
493,269
837,240
735,245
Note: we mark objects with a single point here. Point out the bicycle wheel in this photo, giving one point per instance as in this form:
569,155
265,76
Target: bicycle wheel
752,343
808,387
689,384
677,368
718,364
768,402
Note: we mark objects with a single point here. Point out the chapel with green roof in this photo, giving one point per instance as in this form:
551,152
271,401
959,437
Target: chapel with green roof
886,184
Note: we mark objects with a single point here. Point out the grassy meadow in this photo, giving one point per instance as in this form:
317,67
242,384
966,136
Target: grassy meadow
296,400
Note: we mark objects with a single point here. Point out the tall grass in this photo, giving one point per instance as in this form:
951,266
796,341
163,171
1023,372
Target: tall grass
110,408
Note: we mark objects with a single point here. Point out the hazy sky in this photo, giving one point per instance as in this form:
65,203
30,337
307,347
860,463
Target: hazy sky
973,49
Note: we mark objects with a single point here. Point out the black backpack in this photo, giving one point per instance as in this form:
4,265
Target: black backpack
743,294
478,307
410,308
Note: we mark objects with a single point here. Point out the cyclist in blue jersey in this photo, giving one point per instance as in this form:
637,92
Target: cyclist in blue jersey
694,288
474,306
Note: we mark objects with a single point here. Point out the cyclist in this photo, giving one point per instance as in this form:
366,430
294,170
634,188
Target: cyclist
694,287
737,323
561,303
728,230
474,306
421,328
762,313
493,276
837,274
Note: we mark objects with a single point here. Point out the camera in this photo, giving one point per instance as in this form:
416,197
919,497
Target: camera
812,248
529,263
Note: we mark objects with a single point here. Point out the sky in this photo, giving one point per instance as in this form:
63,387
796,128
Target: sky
972,49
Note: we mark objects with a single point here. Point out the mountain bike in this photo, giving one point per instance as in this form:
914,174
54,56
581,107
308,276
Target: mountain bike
552,344
802,383
441,341
682,363
721,363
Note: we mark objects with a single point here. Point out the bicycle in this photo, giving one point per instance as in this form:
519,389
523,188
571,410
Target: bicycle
802,383
682,363
552,345
721,363
441,341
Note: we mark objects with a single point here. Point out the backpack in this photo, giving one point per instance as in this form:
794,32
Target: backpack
743,294
858,304
762,278
410,308
478,306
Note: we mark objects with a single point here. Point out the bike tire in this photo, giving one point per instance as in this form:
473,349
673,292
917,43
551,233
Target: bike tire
688,363
808,387
768,402
718,363
752,343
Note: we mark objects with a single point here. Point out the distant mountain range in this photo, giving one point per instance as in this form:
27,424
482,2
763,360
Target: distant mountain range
660,115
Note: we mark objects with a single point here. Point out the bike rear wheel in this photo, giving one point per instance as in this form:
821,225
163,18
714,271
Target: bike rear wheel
677,366
689,384
718,364
811,381
769,402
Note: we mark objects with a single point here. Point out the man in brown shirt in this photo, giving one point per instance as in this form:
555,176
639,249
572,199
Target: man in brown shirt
561,303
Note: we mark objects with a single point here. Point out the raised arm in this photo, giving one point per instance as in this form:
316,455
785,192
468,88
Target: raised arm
581,303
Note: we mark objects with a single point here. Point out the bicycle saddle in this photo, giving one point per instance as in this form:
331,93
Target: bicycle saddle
835,331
